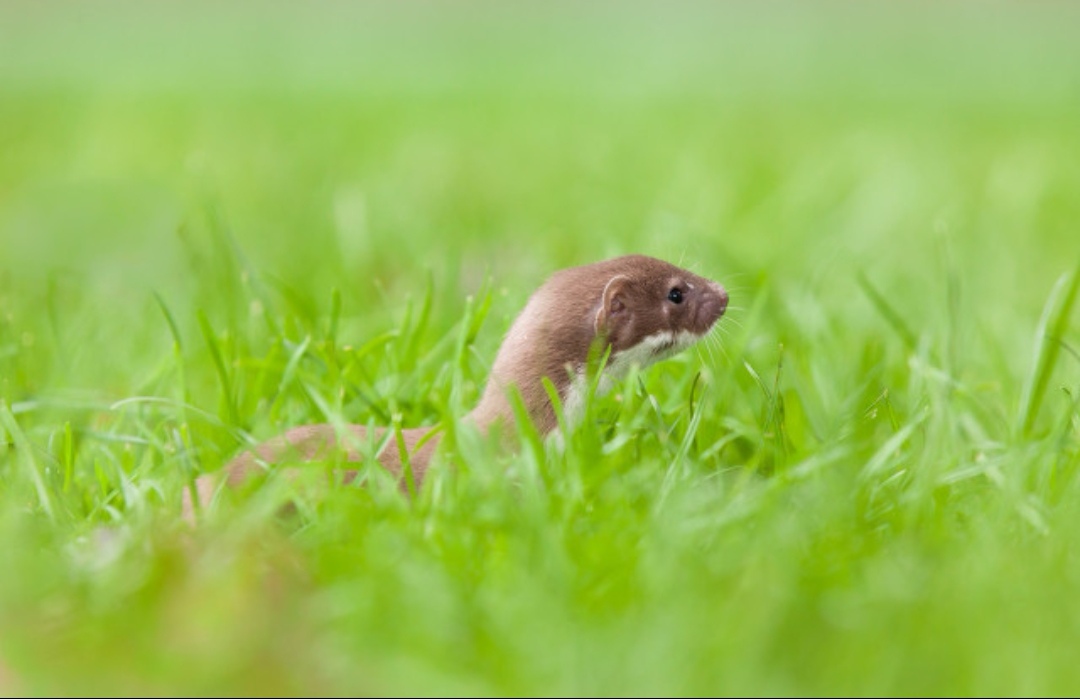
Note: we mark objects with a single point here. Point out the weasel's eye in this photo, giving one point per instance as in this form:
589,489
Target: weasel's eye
675,296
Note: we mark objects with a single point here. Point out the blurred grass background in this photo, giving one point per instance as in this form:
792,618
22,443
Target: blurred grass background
214,211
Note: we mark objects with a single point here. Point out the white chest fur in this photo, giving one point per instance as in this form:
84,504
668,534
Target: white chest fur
650,350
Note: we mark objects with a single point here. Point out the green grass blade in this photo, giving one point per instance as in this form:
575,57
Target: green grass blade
881,458
289,373
416,329
25,454
213,345
174,329
335,317
1051,329
893,317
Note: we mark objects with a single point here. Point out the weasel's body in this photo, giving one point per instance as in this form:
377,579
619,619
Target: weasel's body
644,309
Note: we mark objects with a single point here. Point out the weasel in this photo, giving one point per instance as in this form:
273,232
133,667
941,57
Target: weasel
637,308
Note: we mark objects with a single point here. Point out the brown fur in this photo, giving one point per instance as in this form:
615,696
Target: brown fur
616,303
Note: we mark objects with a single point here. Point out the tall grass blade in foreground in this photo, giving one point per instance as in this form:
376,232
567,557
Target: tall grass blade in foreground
1049,335
24,455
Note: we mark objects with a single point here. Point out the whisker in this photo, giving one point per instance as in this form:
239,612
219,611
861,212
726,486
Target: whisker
703,346
720,347
711,344
701,358
734,321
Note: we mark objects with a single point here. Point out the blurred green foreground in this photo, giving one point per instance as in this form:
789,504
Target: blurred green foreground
221,220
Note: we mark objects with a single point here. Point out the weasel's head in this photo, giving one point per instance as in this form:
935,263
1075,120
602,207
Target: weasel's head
641,308
650,310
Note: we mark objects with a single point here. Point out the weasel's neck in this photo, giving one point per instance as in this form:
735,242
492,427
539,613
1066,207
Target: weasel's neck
548,340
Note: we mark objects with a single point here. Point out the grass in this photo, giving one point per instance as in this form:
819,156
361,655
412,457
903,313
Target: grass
216,223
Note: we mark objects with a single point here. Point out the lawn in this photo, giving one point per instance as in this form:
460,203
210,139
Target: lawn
220,221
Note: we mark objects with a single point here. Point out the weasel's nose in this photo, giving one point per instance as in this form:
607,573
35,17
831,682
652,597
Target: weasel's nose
722,293
713,304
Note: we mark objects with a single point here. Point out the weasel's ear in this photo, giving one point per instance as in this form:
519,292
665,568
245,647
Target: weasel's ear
612,302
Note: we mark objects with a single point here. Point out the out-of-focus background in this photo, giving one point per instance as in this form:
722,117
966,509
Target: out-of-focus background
379,133
890,191
809,142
